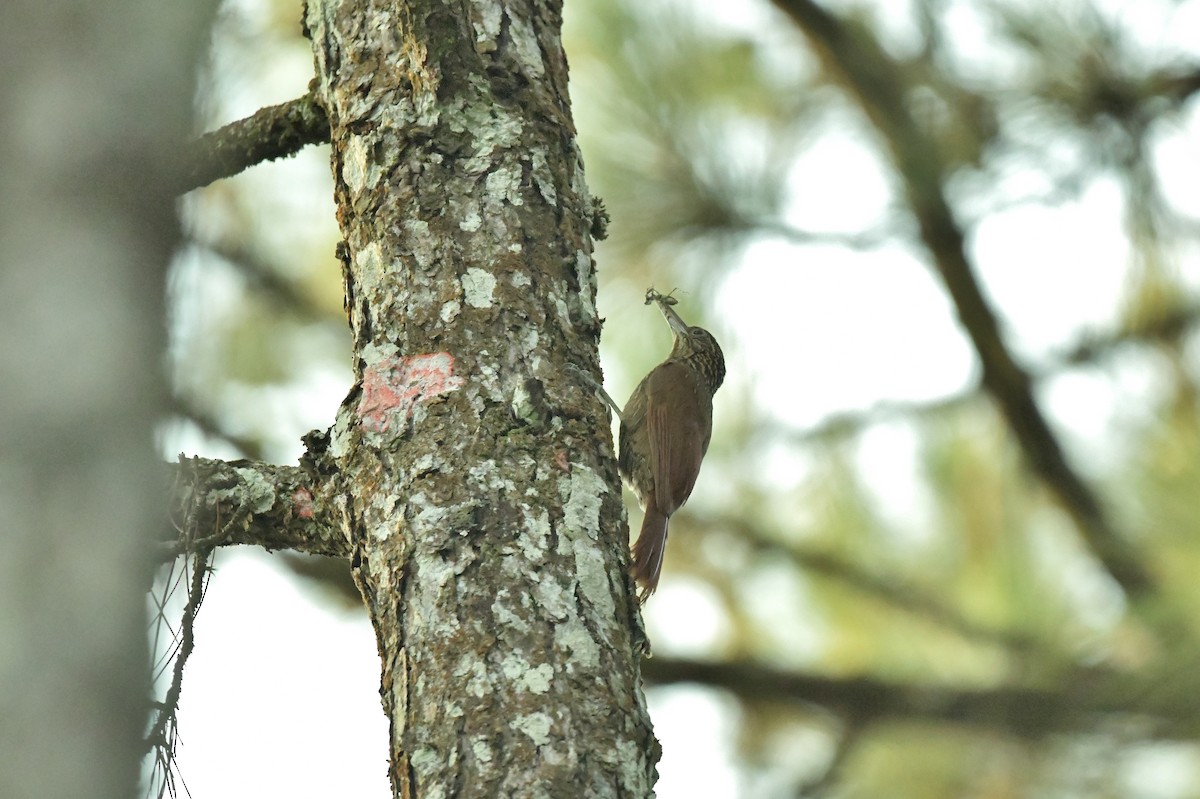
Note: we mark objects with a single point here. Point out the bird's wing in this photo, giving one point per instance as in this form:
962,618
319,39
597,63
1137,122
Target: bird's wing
676,430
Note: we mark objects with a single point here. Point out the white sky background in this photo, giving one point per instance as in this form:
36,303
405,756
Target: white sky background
252,723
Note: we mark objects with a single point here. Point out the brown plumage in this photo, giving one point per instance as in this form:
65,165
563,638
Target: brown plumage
665,429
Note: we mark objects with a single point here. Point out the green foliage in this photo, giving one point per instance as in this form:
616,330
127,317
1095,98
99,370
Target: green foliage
691,131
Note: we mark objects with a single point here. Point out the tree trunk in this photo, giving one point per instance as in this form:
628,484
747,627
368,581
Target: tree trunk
97,102
476,481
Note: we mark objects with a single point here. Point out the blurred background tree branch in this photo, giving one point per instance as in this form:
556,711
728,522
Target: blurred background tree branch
945,540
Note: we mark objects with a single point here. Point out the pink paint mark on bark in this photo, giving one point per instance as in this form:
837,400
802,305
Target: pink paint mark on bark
302,503
393,387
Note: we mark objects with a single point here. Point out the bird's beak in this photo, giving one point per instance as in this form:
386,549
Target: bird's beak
678,326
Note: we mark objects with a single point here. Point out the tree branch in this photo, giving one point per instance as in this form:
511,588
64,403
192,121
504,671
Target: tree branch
1165,327
871,78
1027,712
188,409
905,597
274,132
261,276
1089,349
1178,87
221,503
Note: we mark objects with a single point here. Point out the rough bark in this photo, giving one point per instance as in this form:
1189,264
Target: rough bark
277,131
220,503
478,488
97,100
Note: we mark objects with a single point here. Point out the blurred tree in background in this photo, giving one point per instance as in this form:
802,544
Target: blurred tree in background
945,540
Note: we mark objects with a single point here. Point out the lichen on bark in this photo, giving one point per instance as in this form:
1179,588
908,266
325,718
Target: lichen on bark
480,493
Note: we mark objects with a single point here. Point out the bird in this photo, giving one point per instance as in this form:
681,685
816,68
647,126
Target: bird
665,429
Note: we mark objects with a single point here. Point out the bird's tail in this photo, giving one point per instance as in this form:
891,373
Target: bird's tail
648,551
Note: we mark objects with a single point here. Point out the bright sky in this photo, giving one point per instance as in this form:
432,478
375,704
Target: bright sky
252,723
281,696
